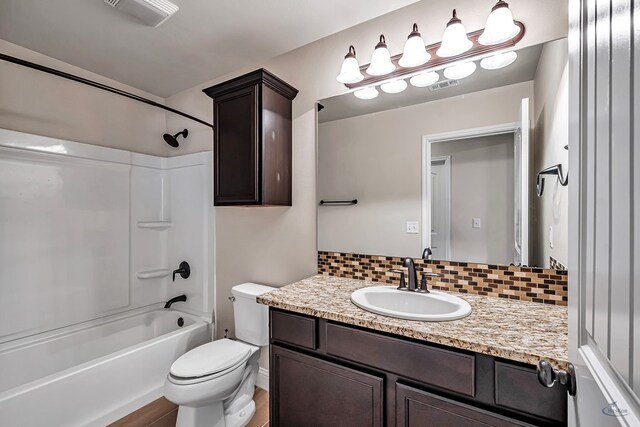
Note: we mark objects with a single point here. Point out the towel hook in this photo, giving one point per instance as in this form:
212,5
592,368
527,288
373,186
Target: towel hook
551,170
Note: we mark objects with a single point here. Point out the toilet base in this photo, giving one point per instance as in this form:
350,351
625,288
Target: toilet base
242,417
213,416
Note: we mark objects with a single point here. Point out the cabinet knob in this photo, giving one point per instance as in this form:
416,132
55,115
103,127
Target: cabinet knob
548,376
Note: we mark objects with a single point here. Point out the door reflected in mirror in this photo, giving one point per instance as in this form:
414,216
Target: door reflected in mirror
473,210
450,170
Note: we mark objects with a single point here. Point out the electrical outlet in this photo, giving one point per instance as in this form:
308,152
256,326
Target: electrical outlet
476,223
551,237
412,227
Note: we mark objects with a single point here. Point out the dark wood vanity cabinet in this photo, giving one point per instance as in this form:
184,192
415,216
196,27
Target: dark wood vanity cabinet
417,408
312,391
252,140
324,373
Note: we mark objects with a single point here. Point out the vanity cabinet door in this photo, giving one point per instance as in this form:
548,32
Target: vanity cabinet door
306,391
416,408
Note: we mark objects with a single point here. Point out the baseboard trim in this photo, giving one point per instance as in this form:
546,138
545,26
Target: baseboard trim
263,379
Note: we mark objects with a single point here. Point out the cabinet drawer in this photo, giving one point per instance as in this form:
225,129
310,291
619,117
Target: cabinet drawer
517,387
419,362
416,408
294,329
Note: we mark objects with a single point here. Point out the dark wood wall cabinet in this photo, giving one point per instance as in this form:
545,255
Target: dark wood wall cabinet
324,373
252,140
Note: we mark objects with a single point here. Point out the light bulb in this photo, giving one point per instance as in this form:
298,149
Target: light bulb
500,26
454,39
381,60
498,61
394,86
366,93
350,71
414,53
460,71
424,79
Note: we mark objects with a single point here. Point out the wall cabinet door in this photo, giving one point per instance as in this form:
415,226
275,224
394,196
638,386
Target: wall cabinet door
236,147
416,408
306,391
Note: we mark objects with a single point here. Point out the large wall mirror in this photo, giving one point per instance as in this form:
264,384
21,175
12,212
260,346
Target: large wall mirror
452,171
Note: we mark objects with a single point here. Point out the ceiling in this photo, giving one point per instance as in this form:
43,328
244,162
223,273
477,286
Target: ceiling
347,105
205,39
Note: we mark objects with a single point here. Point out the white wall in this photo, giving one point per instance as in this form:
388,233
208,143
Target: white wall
482,171
551,134
377,159
42,104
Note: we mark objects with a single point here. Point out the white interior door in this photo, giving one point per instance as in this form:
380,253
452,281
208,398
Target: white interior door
521,186
604,209
441,207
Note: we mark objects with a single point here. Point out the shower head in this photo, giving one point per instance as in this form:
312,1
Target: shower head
172,140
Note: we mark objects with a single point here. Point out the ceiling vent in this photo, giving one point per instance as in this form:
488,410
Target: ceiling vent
443,85
151,12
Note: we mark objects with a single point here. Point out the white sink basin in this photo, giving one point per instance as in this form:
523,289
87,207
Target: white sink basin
389,301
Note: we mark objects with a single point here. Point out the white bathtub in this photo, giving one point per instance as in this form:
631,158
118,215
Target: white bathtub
96,372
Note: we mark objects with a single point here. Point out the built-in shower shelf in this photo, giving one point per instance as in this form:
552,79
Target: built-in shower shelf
158,225
154,274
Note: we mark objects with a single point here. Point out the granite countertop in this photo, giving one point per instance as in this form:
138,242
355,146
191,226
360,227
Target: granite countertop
515,330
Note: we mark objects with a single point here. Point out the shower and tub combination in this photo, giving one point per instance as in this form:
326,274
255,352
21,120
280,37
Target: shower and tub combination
93,236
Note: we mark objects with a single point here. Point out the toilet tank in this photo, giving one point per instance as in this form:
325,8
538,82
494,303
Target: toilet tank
251,319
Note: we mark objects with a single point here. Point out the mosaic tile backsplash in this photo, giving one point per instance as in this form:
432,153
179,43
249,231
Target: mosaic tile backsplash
548,286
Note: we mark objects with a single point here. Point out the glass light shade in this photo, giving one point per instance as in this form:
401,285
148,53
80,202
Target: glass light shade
454,40
394,86
498,61
381,60
366,93
500,26
350,71
414,53
460,71
424,79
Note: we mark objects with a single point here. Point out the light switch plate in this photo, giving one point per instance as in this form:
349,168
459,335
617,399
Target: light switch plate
476,223
413,227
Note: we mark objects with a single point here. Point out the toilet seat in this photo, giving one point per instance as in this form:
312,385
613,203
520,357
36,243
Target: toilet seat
209,361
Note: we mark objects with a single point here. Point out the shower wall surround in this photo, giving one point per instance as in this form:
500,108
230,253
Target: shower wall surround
88,231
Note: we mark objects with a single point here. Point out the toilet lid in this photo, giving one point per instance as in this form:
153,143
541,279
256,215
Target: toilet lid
210,358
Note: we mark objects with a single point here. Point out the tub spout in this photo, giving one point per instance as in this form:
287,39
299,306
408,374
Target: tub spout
180,298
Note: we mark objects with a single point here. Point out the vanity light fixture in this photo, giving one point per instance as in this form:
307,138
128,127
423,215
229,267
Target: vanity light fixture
414,52
460,71
424,79
454,38
350,71
394,86
381,60
366,93
500,26
500,60
421,65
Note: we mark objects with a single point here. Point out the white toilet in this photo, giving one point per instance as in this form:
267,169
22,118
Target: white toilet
214,383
